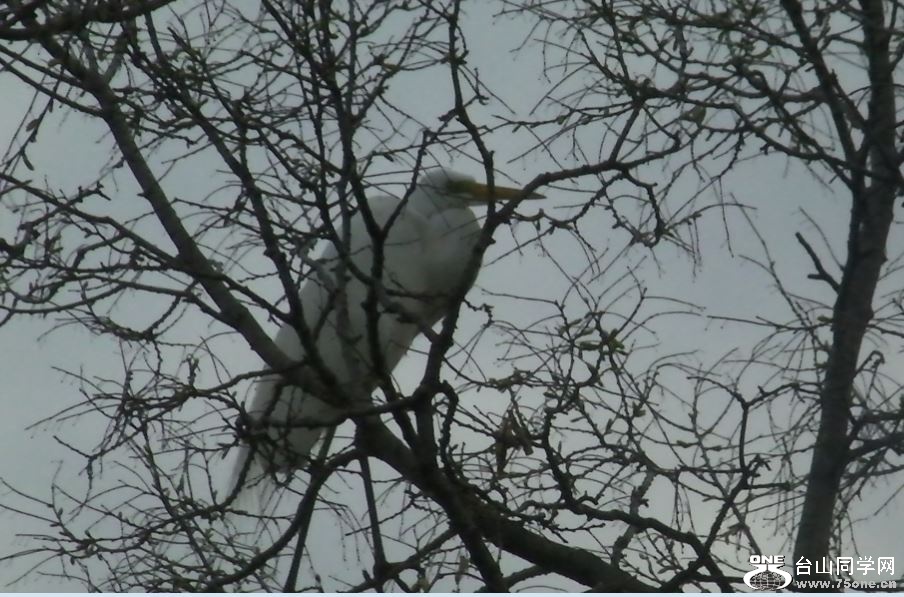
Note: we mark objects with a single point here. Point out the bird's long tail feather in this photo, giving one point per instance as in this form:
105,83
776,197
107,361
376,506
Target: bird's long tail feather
253,491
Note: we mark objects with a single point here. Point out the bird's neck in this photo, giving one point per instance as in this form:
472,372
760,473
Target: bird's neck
432,204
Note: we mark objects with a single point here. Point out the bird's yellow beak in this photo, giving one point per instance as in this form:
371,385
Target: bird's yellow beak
480,193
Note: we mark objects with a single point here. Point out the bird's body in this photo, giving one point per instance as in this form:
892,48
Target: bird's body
427,246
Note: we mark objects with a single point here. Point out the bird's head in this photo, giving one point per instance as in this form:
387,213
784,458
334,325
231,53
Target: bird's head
445,186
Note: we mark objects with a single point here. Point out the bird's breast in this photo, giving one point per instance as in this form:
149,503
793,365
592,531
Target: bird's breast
449,248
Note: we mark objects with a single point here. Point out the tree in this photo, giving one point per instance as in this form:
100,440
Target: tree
562,439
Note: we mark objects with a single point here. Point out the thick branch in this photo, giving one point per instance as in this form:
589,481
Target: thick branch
70,20
871,216
192,258
577,564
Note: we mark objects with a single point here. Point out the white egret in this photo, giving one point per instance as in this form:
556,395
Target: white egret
428,243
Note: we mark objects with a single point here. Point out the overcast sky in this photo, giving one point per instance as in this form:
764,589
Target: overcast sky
31,360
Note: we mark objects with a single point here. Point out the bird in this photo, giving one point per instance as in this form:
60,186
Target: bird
427,241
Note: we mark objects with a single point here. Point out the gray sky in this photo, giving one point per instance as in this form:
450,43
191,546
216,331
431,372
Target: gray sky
723,283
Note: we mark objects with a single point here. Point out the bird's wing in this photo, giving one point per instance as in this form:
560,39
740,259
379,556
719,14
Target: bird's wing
288,408
402,310
425,257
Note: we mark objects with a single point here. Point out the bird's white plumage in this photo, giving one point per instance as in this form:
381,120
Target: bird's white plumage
429,242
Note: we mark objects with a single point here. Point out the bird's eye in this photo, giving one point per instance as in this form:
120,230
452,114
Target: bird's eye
458,186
